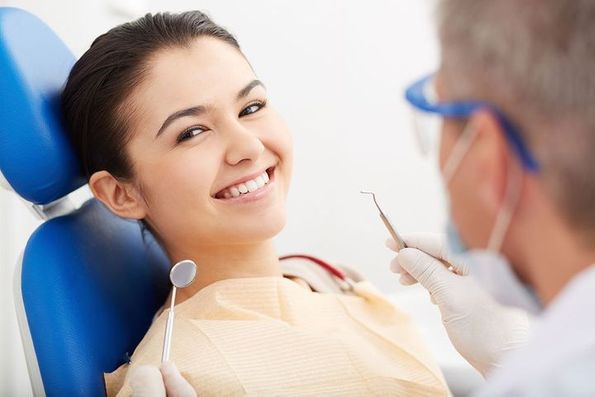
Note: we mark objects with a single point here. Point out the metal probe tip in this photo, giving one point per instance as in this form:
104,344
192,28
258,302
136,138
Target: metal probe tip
373,198
400,243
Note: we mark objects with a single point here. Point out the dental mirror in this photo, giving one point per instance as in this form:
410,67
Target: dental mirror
181,275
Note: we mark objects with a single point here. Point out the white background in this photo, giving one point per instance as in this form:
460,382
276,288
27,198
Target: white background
336,71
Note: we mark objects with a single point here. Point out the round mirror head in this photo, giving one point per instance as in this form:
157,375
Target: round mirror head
182,274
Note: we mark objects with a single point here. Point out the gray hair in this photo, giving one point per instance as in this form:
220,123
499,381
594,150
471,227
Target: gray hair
535,61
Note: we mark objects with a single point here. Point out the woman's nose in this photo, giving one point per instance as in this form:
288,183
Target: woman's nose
243,145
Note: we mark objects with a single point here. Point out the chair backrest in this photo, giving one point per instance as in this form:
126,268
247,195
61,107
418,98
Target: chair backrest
89,282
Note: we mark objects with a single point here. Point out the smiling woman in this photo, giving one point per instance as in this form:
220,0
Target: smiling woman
173,128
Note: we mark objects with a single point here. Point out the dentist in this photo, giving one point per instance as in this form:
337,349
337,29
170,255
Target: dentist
515,279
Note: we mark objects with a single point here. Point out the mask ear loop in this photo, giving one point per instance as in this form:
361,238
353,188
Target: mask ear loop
506,211
513,187
458,152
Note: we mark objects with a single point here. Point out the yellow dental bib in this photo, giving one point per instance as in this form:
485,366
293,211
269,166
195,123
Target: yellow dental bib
271,336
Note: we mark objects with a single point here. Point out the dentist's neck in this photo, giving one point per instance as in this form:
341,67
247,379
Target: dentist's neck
554,261
551,253
216,263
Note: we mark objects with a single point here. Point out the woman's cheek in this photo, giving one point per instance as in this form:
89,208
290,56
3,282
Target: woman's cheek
283,141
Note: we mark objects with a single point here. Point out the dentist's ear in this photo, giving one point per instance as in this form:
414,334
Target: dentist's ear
122,198
492,159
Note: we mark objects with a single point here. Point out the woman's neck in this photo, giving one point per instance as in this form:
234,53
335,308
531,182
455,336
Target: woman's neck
216,263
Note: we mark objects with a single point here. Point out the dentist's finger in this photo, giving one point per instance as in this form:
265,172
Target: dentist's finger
392,244
395,267
430,243
434,245
146,381
427,270
175,384
406,279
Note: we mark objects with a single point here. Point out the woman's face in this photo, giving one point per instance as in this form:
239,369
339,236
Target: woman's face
211,158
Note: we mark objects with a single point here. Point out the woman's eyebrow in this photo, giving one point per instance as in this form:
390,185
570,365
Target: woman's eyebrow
193,111
246,90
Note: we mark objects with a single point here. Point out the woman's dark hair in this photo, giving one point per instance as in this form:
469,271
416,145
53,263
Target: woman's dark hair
104,77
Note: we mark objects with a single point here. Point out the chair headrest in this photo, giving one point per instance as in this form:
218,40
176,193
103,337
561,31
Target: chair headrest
36,157
91,283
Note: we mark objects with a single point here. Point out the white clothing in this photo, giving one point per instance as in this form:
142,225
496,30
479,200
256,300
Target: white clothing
559,360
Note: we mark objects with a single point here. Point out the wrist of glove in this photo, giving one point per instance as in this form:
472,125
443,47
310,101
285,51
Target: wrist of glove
481,329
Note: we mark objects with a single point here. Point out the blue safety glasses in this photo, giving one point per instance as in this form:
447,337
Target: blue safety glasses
422,97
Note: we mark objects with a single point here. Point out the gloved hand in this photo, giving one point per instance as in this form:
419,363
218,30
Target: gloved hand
150,381
481,329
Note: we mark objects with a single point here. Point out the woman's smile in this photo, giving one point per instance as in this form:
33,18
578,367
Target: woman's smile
251,188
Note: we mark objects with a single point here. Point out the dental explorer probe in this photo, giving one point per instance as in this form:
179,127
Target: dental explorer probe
396,237
181,275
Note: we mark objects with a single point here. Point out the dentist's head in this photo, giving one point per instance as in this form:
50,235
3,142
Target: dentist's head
517,158
173,127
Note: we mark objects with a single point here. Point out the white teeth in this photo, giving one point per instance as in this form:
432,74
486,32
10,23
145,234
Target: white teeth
251,185
248,186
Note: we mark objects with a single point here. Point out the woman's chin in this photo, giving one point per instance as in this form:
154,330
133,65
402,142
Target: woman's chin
264,228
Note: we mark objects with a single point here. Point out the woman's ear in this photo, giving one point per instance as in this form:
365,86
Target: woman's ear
122,198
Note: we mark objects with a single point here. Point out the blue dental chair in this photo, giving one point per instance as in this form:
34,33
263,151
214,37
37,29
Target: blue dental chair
88,283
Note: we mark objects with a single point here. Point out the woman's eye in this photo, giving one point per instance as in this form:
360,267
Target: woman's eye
252,108
190,133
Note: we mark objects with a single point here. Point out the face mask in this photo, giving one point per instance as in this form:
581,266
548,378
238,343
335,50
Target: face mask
488,266
493,272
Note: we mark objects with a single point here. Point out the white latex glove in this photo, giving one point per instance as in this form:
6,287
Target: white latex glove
481,329
150,381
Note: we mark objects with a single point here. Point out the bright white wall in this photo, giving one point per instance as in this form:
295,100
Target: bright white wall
336,70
